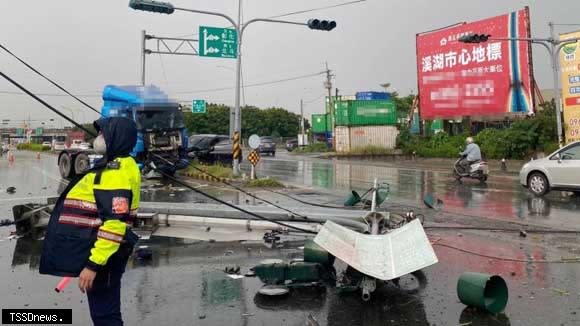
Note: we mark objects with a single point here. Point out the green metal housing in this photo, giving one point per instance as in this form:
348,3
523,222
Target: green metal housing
300,272
319,123
366,113
313,253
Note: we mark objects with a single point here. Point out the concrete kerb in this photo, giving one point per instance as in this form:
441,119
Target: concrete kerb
206,177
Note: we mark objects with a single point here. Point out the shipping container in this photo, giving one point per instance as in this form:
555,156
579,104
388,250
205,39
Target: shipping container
366,113
337,99
319,123
349,138
329,123
437,125
342,137
371,96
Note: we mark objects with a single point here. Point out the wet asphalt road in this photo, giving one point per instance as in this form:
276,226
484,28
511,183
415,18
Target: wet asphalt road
184,285
501,197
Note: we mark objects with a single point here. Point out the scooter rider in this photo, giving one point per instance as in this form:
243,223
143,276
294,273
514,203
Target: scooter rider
471,154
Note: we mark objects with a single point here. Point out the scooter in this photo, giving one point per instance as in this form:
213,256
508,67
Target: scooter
477,170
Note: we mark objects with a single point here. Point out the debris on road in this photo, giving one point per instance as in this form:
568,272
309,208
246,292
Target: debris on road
11,190
560,291
523,233
487,292
144,253
274,290
232,270
311,321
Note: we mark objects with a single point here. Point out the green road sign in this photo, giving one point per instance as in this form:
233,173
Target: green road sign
218,42
198,106
19,132
38,132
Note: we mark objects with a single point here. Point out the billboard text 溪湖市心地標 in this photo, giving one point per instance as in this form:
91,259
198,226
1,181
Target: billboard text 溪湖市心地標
570,70
487,79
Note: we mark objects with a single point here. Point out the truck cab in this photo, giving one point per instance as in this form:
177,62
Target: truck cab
161,138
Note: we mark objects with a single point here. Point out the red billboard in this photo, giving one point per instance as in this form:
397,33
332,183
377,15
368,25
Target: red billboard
481,80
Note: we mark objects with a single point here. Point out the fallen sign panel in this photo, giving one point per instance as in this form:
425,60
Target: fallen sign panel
385,257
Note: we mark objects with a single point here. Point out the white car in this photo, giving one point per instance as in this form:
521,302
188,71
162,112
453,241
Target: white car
46,144
76,144
59,146
558,171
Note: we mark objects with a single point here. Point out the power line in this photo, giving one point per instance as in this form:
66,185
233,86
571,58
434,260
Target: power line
317,9
210,90
314,100
49,94
251,85
48,79
297,13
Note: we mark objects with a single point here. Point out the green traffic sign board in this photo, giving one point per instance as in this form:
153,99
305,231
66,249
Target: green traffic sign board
198,106
218,42
38,132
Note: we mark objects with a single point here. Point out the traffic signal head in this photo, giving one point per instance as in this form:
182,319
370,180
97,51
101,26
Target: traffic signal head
322,25
152,6
474,38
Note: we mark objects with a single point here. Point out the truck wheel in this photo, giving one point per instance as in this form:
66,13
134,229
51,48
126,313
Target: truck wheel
65,166
82,163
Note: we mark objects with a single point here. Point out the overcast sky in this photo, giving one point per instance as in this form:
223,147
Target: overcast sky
87,44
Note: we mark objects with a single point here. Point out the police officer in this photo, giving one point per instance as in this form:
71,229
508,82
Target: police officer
88,235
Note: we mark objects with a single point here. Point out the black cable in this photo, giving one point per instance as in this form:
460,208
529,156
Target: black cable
48,79
46,104
167,176
233,206
492,229
234,186
316,204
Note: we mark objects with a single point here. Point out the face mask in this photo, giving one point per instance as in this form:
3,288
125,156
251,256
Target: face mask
99,145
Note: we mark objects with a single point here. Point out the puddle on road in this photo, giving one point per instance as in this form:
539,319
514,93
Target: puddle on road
501,197
184,283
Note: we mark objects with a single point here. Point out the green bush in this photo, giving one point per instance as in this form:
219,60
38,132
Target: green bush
370,150
216,170
312,148
33,147
519,141
265,183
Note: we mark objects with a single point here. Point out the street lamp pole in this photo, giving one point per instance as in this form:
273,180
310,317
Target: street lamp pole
553,47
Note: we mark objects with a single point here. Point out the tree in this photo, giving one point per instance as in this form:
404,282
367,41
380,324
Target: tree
269,122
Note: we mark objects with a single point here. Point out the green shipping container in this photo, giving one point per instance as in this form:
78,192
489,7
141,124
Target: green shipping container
437,125
329,122
319,123
366,113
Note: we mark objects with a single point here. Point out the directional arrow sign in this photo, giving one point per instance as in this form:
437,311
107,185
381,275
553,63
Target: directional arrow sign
218,42
198,106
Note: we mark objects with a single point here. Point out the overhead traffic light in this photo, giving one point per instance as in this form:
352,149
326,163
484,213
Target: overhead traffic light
474,38
322,25
152,6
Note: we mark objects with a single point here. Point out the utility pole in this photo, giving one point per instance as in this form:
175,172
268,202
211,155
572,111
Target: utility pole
143,53
235,112
301,117
328,85
553,46
168,8
557,91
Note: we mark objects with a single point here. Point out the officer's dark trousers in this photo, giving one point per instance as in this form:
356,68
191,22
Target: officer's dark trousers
105,295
